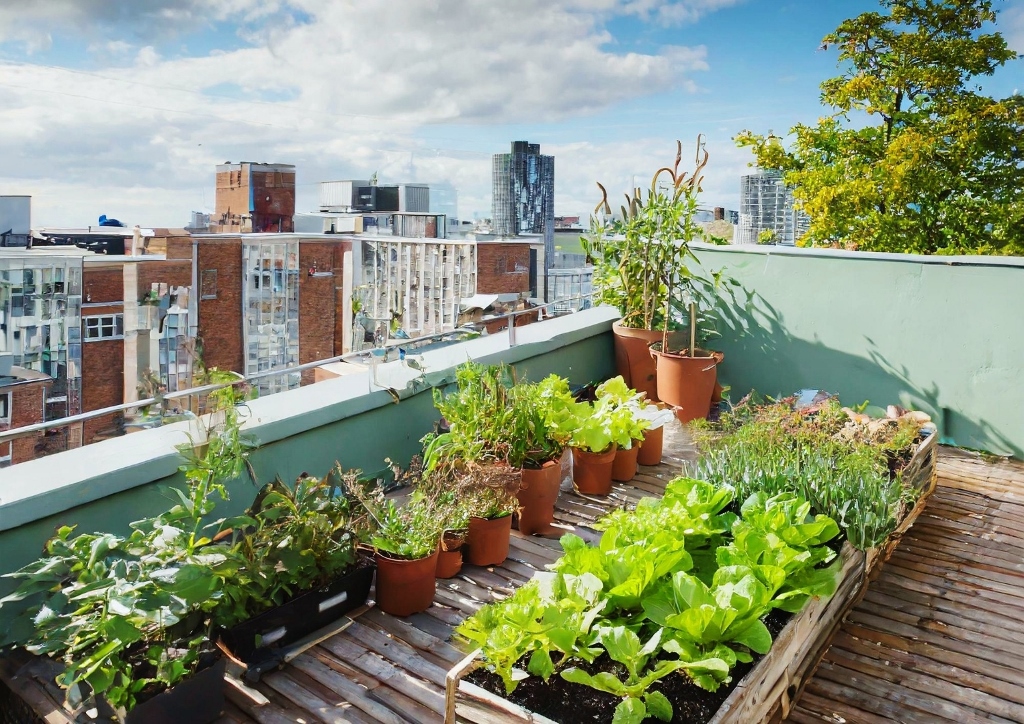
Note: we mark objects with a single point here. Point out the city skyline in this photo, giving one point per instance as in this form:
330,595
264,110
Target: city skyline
127,112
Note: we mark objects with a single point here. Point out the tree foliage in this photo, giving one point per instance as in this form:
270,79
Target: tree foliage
913,157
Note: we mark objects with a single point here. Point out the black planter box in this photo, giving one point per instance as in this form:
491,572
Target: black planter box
197,700
253,642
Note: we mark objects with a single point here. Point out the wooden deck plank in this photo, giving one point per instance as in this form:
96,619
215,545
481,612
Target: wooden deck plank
940,634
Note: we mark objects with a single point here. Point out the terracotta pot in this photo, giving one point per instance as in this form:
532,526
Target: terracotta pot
650,446
592,472
405,587
449,557
633,359
537,496
688,383
487,541
716,395
624,464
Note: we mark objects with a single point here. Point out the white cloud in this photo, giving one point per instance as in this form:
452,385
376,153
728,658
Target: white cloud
1010,23
343,88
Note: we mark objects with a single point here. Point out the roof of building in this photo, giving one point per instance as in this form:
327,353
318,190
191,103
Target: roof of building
22,375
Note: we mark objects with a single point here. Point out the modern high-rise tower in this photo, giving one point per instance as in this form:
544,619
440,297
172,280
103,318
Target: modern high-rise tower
766,205
524,195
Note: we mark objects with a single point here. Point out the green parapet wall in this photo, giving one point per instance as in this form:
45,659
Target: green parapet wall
939,334
105,486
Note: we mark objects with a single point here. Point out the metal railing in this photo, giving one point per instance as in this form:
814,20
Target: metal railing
27,430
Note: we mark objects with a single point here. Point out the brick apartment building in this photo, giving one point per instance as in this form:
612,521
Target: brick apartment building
134,319
23,396
268,301
503,267
254,198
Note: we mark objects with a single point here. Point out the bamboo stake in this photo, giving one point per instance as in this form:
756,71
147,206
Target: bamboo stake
693,329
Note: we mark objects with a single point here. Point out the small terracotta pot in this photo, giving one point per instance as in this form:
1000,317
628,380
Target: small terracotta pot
487,541
624,465
633,360
651,446
449,557
592,472
405,587
537,496
686,383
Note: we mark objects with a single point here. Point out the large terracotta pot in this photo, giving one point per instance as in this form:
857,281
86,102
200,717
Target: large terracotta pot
686,383
487,541
537,496
633,358
449,557
592,472
649,452
405,587
716,395
624,464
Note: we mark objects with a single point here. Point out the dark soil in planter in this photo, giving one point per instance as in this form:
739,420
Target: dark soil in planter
570,703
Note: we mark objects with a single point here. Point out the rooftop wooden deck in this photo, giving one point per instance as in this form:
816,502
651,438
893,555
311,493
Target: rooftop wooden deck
939,636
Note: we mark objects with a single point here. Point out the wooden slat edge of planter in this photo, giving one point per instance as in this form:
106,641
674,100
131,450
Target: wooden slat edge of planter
454,686
920,474
795,650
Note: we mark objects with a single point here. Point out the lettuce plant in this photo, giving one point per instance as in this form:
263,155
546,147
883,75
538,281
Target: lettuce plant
678,586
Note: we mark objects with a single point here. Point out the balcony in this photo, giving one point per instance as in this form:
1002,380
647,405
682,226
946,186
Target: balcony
936,637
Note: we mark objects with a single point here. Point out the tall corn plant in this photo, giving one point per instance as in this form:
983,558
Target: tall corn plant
643,263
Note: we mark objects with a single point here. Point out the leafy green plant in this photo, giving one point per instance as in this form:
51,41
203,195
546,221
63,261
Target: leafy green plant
772,448
411,531
616,393
677,585
487,421
553,615
638,700
119,612
550,420
128,616
292,539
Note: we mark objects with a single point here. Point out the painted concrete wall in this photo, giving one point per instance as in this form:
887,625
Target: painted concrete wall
103,487
944,335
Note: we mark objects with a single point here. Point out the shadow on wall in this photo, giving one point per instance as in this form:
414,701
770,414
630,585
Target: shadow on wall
760,354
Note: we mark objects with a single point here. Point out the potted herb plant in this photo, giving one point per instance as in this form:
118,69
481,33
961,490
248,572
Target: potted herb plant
641,257
481,454
601,426
617,393
455,516
405,541
550,425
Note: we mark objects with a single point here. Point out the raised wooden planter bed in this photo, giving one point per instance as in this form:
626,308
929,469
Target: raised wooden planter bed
768,690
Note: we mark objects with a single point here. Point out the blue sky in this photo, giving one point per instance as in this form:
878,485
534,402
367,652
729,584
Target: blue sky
124,109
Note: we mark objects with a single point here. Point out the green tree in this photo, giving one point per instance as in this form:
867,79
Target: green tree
913,157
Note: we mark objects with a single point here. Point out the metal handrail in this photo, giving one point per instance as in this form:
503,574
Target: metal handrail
19,432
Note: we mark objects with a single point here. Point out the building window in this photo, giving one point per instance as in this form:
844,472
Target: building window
5,455
104,326
5,408
208,284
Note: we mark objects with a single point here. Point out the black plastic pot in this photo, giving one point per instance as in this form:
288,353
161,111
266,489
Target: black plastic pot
198,700
253,641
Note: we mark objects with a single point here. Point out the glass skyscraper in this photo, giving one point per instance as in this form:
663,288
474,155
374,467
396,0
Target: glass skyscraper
524,195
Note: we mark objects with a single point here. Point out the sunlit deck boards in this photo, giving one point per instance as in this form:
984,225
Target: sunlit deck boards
384,669
940,635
